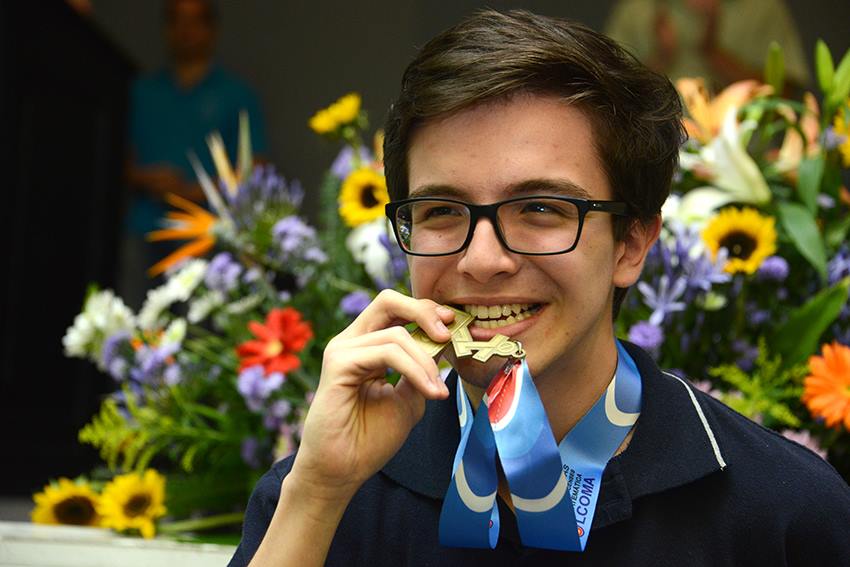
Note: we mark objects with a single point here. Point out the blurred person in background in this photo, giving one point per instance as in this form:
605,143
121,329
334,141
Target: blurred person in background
722,41
173,110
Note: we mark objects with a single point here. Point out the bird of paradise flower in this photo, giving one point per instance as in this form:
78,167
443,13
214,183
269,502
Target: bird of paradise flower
193,222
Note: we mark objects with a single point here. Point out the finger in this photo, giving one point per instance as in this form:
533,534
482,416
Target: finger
401,337
352,367
390,307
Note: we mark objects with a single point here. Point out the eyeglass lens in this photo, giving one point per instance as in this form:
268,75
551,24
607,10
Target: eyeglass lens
536,225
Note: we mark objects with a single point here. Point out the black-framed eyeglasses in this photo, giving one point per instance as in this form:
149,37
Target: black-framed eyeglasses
537,225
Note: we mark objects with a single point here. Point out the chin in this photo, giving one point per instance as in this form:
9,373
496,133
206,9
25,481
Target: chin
479,374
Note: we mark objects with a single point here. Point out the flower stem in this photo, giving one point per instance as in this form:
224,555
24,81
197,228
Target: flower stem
200,524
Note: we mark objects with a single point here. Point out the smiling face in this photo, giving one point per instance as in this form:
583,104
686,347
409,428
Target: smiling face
526,145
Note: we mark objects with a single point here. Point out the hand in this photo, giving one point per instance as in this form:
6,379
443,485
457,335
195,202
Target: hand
357,421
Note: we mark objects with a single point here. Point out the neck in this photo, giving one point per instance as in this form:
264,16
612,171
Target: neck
570,388
189,73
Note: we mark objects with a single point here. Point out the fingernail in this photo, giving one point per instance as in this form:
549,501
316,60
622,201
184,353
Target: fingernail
442,327
444,311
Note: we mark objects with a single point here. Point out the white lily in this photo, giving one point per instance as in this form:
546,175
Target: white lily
734,175
365,246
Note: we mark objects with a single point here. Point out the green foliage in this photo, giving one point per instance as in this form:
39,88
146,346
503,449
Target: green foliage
799,336
824,66
189,433
766,392
774,69
801,227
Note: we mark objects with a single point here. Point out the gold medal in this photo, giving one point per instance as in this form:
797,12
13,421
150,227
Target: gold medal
464,345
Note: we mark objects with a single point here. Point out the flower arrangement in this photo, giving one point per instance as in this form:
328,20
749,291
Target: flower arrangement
215,371
748,283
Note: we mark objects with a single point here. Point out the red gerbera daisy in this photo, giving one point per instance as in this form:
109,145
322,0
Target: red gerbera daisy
278,341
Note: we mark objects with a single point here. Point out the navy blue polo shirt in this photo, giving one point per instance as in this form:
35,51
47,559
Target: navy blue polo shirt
697,485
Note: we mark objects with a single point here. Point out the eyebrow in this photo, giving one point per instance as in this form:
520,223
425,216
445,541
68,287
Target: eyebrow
562,187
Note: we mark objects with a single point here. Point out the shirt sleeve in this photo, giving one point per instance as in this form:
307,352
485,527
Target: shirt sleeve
258,514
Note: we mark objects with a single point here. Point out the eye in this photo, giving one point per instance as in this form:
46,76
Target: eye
547,208
439,211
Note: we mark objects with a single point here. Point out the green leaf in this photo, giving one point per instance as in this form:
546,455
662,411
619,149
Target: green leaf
836,233
824,66
801,226
841,87
798,338
774,68
811,173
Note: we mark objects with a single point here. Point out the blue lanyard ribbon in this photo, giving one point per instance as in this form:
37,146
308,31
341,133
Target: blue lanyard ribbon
554,487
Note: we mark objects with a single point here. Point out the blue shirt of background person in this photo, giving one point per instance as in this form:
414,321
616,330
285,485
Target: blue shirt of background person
173,111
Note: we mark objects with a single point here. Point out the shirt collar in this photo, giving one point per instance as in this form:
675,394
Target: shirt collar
675,442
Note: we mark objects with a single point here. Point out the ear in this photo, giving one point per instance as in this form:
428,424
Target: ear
632,251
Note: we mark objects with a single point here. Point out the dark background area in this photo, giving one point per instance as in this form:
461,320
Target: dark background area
63,89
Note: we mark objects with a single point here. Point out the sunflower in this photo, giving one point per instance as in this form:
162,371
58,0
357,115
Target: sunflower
363,196
747,236
67,502
133,501
277,342
826,391
842,128
194,223
344,111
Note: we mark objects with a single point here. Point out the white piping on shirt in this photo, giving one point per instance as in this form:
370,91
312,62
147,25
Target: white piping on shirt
705,425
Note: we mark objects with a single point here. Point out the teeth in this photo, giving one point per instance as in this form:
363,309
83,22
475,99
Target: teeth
512,311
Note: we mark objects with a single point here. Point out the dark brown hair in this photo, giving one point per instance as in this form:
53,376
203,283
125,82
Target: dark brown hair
635,113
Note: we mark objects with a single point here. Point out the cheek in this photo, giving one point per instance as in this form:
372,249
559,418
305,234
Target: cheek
424,273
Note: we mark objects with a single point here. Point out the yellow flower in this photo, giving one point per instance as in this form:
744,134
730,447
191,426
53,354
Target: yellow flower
323,122
133,501
826,392
363,196
345,109
747,236
842,128
66,502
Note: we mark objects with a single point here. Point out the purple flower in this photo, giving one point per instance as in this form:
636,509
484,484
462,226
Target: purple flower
172,375
151,362
805,439
748,354
343,165
774,268
222,273
315,254
249,451
291,232
276,413
665,299
647,336
115,353
398,259
839,266
256,387
831,140
354,303
825,201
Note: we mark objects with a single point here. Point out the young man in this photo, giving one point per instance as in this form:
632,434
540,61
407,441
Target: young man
560,128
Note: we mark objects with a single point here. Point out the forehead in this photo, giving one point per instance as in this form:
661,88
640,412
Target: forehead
493,150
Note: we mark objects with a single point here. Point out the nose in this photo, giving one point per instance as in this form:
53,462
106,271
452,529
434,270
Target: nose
486,257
